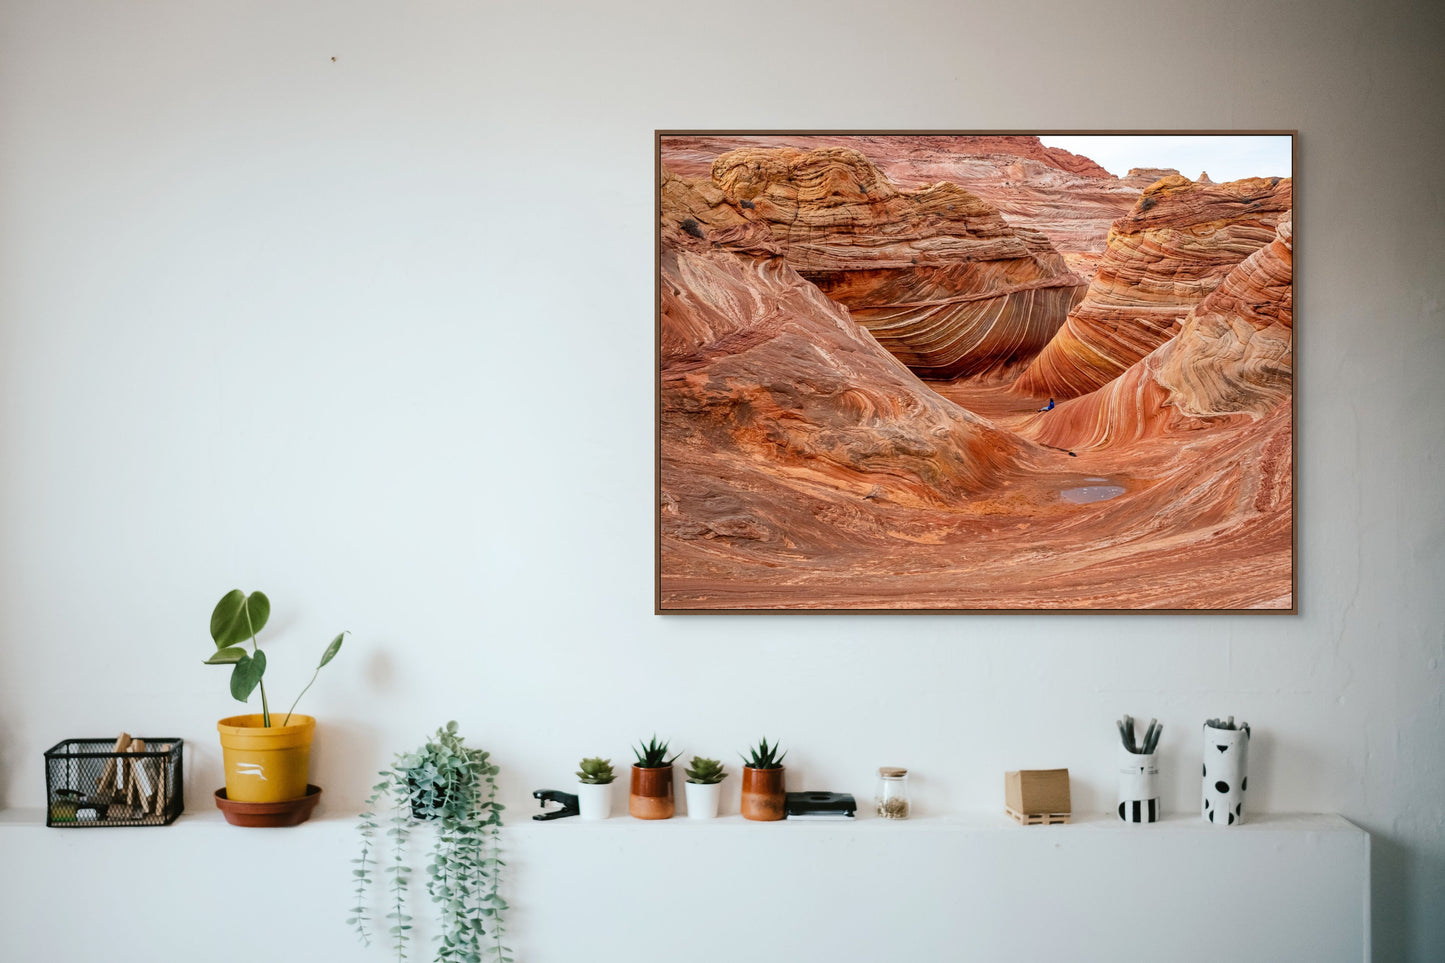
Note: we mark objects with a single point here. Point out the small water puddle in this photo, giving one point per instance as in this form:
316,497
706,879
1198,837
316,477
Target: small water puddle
1093,490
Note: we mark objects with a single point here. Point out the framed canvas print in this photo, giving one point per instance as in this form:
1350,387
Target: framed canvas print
975,371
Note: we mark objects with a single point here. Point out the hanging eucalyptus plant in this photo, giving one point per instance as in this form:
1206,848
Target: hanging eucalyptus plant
454,787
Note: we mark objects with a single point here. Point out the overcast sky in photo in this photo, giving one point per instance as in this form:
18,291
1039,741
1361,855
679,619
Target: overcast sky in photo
1225,157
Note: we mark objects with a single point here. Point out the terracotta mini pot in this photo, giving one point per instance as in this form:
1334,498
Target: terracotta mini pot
763,794
651,796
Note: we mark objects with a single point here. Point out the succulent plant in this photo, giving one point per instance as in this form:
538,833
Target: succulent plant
652,755
595,772
705,772
764,756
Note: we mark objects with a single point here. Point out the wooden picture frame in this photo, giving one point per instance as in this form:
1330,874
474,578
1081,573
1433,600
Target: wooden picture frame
973,372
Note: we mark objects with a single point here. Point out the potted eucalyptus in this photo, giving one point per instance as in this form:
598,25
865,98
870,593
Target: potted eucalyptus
703,787
454,787
594,788
652,796
764,794
266,756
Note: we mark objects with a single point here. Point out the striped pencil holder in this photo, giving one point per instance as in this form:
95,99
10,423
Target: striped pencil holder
1138,786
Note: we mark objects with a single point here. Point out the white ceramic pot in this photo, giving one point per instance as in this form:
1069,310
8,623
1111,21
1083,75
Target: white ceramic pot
702,800
1226,775
594,801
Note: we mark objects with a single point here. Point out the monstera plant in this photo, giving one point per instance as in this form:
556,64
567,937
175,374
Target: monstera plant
237,618
265,762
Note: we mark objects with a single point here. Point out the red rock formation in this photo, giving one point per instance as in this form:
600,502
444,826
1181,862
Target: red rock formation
1231,364
802,466
763,376
1143,177
1068,198
938,277
698,209
1173,249
908,159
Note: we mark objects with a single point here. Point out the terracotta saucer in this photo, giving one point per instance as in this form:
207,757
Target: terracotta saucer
287,812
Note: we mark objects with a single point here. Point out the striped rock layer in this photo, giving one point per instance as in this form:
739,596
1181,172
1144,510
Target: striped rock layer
1068,198
1231,363
768,385
698,209
935,274
1173,249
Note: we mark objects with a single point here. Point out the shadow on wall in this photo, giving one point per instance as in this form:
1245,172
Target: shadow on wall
7,756
334,768
1271,756
1396,870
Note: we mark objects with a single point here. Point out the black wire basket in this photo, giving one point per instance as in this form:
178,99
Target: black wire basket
88,783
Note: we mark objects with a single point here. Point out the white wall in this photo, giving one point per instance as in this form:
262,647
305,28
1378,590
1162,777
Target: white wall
375,335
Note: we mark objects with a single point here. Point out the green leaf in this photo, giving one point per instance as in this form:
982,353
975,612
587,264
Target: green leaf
227,656
224,615
260,607
247,675
331,650
229,623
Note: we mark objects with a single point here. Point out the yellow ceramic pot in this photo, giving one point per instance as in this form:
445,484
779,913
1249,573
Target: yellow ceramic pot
266,765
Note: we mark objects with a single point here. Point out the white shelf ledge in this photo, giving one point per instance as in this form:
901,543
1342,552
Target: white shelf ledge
521,821
1279,886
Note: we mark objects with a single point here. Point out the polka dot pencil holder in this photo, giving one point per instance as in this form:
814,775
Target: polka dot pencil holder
1138,786
1226,774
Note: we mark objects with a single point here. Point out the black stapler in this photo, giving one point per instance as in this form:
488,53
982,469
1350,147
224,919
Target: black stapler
567,800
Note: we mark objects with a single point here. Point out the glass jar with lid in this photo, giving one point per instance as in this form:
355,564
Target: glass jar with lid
892,795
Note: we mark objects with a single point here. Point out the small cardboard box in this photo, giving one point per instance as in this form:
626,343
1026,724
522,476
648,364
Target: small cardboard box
1032,792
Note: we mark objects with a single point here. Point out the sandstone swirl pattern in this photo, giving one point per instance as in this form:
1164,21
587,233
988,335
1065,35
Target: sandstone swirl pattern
803,466
936,274
1173,249
1069,199
1230,364
1208,419
783,422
